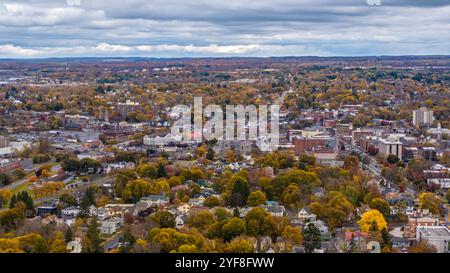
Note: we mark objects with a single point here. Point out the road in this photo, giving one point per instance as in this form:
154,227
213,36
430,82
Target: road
97,182
17,184
372,166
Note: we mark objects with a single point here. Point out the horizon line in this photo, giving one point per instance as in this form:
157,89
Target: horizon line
222,57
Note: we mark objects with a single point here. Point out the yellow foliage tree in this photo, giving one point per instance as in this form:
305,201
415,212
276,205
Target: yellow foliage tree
10,246
5,196
58,245
371,220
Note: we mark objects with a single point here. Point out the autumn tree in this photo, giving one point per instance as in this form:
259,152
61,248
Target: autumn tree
211,202
260,223
201,220
373,221
423,247
430,201
239,245
381,205
233,228
164,219
58,245
291,196
292,236
5,197
135,190
256,198
351,163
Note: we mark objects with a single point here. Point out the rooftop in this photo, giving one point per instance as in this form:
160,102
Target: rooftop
435,231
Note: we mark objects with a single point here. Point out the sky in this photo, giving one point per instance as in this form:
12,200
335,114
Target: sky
223,28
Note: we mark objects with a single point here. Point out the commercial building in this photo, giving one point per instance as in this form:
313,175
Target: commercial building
438,236
423,116
390,146
124,108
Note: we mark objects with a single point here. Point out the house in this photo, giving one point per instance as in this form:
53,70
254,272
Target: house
201,196
321,226
280,244
265,244
276,210
69,213
92,210
102,213
306,215
158,200
140,207
438,236
197,201
119,210
51,220
356,240
184,209
180,220
110,226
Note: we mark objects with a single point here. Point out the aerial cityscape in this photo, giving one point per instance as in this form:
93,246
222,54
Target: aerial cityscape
246,144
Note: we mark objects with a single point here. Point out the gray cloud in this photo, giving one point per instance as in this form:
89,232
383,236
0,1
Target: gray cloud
222,28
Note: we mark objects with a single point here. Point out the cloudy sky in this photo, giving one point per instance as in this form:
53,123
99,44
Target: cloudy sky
216,28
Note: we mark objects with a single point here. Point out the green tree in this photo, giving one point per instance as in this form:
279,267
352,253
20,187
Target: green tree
210,154
93,240
13,201
4,179
68,236
161,171
311,238
240,192
127,241
392,159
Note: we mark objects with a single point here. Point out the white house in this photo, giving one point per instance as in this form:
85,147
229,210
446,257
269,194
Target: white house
180,220
157,200
161,141
305,215
110,226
